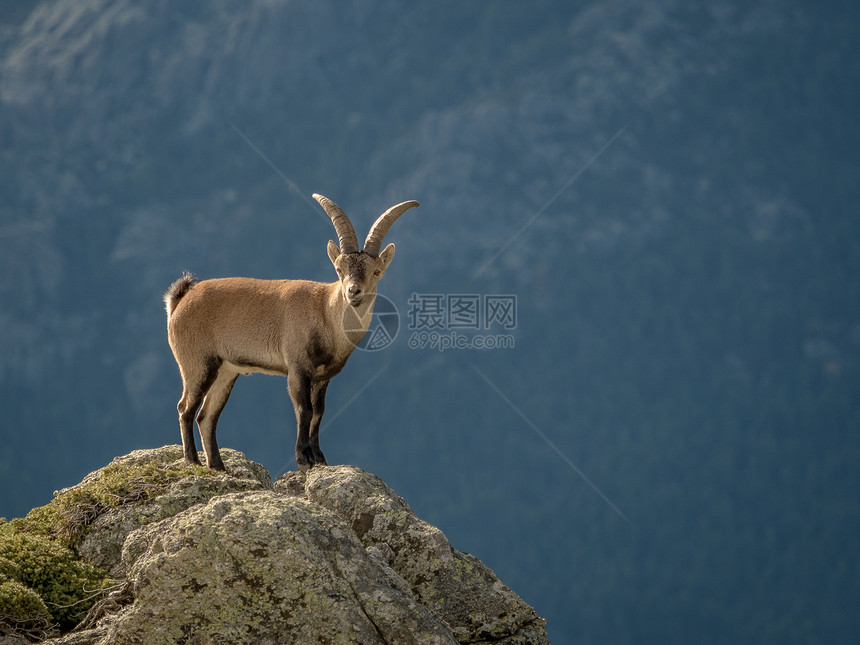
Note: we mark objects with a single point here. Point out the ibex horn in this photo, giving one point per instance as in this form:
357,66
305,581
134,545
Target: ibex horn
380,227
347,240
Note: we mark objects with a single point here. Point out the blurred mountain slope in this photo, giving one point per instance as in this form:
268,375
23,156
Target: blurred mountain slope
688,298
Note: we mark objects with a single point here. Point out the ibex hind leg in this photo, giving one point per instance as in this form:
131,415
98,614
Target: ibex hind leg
207,417
194,390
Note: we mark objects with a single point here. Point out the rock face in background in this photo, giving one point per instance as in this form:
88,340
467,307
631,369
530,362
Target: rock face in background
334,556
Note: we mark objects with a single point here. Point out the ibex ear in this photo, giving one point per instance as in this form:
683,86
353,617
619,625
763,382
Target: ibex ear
387,255
333,251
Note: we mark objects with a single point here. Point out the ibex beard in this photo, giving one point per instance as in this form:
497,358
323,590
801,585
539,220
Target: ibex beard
222,328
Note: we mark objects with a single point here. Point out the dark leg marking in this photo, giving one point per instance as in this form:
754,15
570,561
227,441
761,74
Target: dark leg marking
318,390
207,417
193,393
299,387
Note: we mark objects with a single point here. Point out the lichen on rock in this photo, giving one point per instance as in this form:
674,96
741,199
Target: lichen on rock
260,567
95,516
178,487
454,585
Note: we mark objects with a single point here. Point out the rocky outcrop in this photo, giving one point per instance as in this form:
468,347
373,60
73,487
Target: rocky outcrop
103,541
334,556
454,585
260,567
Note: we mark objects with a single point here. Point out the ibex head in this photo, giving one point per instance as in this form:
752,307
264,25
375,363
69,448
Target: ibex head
359,270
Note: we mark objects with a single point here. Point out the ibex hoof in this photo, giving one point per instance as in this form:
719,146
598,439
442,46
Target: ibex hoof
306,465
192,461
216,463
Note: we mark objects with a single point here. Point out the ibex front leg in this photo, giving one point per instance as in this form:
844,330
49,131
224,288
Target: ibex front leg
318,389
299,387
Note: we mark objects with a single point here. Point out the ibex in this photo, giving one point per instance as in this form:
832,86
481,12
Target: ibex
219,329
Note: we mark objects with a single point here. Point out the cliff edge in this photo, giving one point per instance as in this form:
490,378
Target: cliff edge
148,550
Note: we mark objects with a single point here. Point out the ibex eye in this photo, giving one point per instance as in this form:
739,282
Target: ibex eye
377,272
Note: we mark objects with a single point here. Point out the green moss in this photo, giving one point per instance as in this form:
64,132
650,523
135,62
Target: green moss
22,611
8,569
52,572
70,514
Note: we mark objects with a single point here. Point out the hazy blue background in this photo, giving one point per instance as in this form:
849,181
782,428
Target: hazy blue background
687,348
